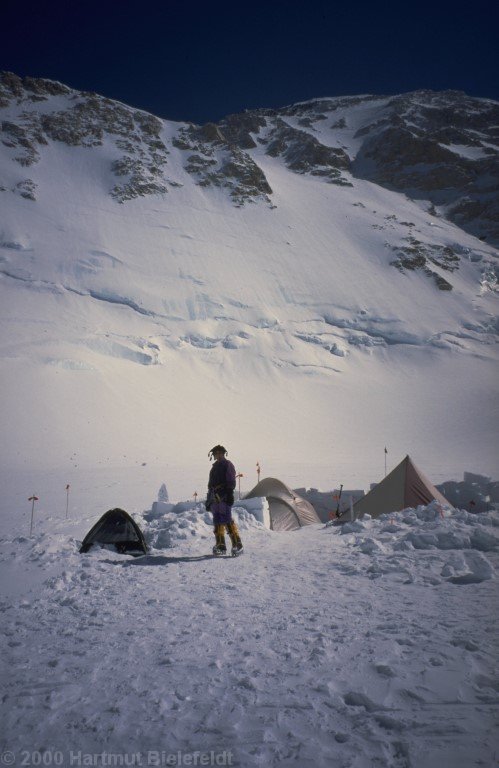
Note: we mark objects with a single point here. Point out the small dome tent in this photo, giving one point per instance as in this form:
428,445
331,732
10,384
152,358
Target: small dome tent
117,528
288,511
405,486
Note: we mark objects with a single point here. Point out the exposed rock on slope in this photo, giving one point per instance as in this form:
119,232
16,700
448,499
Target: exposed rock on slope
441,147
418,255
438,147
213,161
84,121
303,153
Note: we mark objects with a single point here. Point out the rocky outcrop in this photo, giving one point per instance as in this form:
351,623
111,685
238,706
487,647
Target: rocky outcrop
215,162
319,109
17,89
23,137
26,189
420,256
238,128
442,147
303,153
86,121
478,214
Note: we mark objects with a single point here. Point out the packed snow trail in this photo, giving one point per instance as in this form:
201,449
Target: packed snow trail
366,645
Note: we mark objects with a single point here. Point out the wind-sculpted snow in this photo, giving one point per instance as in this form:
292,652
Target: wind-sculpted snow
390,538
323,646
136,350
365,330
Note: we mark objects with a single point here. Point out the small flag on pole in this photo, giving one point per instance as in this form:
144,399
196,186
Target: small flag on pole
239,476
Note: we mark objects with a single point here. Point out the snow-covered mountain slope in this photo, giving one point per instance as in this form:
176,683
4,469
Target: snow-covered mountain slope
366,645
276,283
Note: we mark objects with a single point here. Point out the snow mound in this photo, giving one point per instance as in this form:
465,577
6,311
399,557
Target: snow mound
404,545
188,521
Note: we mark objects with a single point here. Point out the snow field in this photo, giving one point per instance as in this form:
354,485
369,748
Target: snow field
367,644
120,319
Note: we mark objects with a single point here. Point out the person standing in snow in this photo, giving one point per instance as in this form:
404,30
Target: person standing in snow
221,485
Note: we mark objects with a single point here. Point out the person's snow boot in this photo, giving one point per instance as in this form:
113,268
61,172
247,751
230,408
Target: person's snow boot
220,547
235,539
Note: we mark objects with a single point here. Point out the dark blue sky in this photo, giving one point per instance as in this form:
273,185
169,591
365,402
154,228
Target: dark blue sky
199,61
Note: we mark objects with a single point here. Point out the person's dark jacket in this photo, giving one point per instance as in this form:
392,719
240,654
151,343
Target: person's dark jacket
222,482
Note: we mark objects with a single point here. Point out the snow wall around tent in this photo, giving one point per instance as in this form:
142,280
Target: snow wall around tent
258,507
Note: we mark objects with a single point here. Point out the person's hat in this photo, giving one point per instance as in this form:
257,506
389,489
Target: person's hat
217,449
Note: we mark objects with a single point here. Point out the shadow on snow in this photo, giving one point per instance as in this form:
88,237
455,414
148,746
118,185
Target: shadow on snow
160,560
